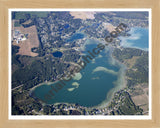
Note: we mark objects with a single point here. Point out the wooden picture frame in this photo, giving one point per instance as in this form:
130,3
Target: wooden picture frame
5,122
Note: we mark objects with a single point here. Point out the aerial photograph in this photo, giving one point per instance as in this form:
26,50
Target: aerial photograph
79,63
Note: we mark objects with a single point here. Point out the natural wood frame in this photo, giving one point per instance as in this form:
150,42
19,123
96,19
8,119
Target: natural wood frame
6,4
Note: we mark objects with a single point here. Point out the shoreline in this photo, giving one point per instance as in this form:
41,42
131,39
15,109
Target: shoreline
121,79
46,83
111,92
131,45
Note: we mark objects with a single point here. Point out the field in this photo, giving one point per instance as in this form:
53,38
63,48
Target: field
83,15
31,42
109,27
141,99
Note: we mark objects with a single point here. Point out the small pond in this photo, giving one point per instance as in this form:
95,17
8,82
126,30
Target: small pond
57,54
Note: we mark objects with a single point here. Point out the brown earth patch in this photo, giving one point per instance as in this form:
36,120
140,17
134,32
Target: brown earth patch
83,15
27,22
130,62
109,27
31,42
142,100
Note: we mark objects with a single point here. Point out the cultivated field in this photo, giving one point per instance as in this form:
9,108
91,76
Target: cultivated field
31,42
142,100
83,15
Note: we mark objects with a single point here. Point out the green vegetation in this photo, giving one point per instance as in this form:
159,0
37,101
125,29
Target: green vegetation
139,72
23,15
39,71
136,74
140,75
126,53
23,104
132,15
15,58
128,107
125,106
16,24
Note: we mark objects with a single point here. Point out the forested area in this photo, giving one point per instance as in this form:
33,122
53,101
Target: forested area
139,72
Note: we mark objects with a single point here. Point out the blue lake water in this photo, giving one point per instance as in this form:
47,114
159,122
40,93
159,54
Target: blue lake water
91,86
139,38
75,37
66,26
57,54
94,85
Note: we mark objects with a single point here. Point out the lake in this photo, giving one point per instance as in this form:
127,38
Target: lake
92,85
95,85
139,38
57,54
75,37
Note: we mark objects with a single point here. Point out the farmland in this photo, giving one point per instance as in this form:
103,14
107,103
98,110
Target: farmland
28,44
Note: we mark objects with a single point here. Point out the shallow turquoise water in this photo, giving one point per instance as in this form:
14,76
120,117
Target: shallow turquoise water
98,77
139,38
96,81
